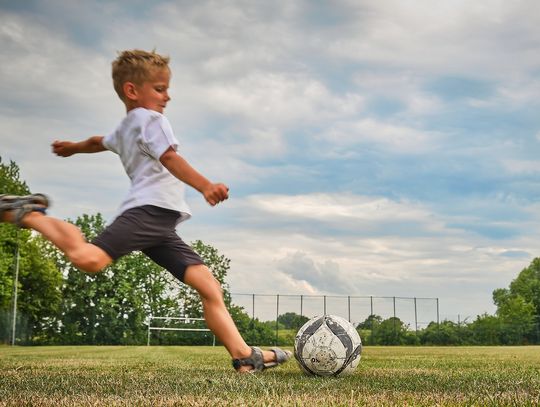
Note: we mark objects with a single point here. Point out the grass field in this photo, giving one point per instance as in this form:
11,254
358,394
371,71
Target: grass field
202,376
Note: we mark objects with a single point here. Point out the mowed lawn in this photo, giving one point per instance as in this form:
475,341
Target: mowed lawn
202,376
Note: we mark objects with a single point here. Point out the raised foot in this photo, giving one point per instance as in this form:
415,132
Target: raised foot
13,208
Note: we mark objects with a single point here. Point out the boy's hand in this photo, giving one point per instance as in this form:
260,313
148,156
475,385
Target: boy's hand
93,144
216,193
63,148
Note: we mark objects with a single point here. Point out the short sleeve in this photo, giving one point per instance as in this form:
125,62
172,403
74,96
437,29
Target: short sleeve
158,136
109,142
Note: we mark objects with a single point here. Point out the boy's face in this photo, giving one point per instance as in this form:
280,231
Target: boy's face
153,93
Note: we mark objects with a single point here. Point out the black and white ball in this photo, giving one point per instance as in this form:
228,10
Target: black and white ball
327,346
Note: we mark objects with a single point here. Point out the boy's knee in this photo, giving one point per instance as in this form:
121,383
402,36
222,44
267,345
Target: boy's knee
90,261
201,278
86,264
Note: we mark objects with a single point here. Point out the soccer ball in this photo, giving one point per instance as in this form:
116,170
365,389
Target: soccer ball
327,346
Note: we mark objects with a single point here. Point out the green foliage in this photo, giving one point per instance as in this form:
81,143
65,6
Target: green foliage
518,307
253,331
292,320
486,330
392,331
370,322
527,285
444,333
38,281
10,182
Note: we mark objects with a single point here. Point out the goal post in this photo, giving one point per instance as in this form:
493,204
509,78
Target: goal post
186,320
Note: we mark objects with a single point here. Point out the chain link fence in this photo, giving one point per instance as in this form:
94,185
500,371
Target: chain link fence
415,313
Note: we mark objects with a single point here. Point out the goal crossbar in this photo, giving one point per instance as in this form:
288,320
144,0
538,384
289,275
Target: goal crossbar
187,320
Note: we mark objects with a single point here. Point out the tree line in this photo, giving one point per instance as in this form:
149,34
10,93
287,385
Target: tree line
58,304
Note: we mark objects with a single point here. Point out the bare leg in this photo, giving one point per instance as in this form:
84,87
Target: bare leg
216,315
69,239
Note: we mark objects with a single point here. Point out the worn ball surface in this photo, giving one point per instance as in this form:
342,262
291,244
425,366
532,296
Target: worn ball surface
327,345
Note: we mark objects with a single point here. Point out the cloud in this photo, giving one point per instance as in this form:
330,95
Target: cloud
521,166
460,38
395,138
325,276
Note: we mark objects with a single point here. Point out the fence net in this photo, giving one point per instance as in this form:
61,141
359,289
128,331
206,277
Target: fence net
416,313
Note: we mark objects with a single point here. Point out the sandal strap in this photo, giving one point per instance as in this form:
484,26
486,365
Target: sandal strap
24,210
22,205
282,356
255,360
18,200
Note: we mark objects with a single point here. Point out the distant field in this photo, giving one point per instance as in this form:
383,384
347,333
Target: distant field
202,376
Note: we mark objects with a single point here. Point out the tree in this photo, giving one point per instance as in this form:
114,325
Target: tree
370,322
485,330
518,307
444,333
392,331
252,330
527,285
516,317
291,320
39,281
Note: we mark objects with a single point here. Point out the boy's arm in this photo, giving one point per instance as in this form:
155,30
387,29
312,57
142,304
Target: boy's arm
180,168
66,148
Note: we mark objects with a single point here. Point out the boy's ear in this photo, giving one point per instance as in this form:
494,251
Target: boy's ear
130,90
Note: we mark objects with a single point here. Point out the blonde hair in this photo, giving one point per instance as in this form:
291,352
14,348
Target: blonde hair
136,66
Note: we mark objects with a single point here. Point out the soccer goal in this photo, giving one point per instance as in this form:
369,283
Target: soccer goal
185,320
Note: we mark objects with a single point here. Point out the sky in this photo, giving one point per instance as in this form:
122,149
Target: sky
372,148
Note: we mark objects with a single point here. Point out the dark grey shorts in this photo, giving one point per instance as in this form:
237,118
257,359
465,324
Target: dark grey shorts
151,230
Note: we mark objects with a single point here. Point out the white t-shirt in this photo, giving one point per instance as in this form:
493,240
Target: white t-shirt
140,140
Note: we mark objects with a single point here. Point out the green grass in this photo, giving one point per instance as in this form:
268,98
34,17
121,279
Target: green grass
202,376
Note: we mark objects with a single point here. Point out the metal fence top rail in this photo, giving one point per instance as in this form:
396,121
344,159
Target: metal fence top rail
338,296
187,319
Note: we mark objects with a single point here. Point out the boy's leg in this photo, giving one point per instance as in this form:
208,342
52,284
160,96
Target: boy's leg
69,239
216,315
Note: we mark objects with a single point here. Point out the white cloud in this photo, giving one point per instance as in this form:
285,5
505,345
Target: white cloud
514,167
394,137
279,100
458,37
46,71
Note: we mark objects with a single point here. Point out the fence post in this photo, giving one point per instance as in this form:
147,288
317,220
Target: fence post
324,304
395,331
415,317
301,305
349,306
253,308
438,325
277,316
148,338
15,288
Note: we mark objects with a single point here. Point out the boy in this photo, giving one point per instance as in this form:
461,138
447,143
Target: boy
155,203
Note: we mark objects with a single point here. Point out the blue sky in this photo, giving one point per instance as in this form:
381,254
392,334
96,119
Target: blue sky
372,148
